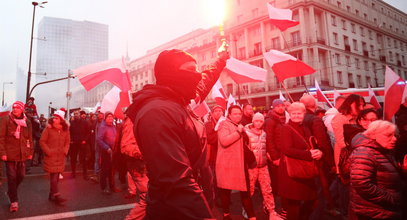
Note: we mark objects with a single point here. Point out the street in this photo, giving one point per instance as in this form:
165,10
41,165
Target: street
85,200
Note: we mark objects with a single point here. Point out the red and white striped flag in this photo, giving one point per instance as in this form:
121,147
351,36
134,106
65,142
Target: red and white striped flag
321,96
114,101
393,93
201,109
114,71
336,95
242,72
372,98
281,18
286,66
281,97
219,95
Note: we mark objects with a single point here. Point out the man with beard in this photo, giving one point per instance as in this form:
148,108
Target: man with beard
273,125
247,114
171,139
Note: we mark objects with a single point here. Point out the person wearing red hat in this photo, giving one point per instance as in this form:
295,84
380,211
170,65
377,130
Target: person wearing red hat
171,139
16,146
55,144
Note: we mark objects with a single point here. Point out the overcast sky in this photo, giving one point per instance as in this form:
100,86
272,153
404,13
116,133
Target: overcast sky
140,24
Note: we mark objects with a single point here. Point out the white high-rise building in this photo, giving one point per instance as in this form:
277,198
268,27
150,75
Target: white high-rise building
63,45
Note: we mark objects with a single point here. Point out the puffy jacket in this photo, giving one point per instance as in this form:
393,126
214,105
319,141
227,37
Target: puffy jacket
257,145
106,136
375,183
15,149
273,125
55,144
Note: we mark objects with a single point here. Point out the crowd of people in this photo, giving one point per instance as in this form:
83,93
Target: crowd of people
308,163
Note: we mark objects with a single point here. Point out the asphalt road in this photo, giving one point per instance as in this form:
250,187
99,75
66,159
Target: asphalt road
85,200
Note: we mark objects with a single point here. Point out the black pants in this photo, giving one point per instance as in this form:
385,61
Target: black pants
244,196
106,173
15,175
297,209
54,179
82,150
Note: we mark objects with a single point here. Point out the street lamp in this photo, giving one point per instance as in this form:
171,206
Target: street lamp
4,83
31,47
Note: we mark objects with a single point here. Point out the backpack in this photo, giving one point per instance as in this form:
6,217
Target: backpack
344,165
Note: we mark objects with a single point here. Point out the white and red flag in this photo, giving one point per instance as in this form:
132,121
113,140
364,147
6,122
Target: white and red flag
394,87
336,95
372,98
114,101
281,18
114,71
219,95
200,109
321,96
242,72
281,97
286,66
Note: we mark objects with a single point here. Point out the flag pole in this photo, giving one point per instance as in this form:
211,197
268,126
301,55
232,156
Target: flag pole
289,95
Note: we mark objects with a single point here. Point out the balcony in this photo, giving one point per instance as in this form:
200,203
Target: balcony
365,53
347,47
398,63
382,58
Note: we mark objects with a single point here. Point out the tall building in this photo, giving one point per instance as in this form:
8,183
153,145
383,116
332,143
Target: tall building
64,45
347,42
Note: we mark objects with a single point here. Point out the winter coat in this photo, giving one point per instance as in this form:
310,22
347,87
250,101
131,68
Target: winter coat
212,141
246,120
257,144
230,169
337,125
294,146
273,125
55,145
319,131
375,184
15,149
106,136
128,143
80,130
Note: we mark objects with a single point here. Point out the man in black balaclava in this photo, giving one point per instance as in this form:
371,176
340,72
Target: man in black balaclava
172,140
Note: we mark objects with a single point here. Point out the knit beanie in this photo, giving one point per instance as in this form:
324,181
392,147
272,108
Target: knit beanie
277,102
19,105
258,117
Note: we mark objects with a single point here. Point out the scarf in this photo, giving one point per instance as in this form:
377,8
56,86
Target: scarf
19,122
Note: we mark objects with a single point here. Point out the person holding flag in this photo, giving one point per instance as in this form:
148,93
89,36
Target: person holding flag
173,141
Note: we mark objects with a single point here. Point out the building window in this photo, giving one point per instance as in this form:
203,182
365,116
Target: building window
347,60
366,65
343,24
388,42
257,49
372,50
351,81
357,63
335,38
295,36
365,16
357,12
369,80
391,56
359,80
403,59
333,20
340,77
375,20
353,27
275,43
255,12
242,53
337,58
339,4
355,44
370,34
362,31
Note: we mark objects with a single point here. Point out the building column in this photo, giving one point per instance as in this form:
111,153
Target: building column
313,27
246,42
303,25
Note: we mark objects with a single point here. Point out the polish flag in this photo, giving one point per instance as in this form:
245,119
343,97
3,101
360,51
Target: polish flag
320,96
218,94
201,109
114,71
114,101
393,93
286,66
282,98
336,95
372,98
242,72
281,18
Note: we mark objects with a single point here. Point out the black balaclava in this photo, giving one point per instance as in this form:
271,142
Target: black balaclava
167,72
